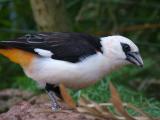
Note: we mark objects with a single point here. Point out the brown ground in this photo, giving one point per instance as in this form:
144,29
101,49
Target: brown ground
36,108
21,105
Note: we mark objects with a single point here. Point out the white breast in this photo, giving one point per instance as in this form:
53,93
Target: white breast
74,75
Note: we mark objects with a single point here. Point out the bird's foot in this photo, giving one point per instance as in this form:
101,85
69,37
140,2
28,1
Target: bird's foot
56,107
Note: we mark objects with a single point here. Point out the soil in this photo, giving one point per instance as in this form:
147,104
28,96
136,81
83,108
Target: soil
10,97
36,108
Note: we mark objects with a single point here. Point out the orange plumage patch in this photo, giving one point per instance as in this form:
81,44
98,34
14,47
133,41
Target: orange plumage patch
18,56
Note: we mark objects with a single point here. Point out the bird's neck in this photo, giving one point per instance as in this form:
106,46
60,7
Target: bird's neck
98,66
109,64
112,65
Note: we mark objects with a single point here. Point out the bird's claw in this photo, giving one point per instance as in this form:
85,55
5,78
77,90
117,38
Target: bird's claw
56,107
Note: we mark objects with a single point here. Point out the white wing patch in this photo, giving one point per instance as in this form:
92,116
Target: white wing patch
42,52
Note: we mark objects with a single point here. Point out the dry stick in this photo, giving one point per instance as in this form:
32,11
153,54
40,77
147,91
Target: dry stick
133,28
67,98
115,99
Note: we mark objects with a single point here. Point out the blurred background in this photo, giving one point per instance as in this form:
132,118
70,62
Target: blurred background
138,20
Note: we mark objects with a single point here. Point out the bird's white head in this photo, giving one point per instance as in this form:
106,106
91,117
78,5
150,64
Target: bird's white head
121,49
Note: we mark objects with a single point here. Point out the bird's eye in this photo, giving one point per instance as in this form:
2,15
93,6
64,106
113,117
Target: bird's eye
125,47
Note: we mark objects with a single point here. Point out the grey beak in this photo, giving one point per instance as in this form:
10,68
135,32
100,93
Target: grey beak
135,58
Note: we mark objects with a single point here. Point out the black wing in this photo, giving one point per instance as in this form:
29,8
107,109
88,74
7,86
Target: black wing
64,46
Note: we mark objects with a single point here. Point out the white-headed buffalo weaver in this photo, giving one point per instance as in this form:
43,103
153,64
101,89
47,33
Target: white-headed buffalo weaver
75,59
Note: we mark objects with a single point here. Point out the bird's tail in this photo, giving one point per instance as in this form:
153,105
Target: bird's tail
2,45
16,55
6,51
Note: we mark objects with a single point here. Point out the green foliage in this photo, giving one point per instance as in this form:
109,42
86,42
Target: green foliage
100,93
23,82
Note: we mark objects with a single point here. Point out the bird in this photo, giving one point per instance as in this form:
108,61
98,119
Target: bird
78,60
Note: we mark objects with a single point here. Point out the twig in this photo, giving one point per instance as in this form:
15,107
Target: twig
133,28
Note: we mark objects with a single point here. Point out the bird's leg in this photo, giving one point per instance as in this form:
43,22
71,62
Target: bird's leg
50,89
55,105
66,97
